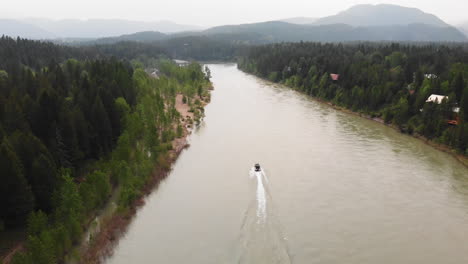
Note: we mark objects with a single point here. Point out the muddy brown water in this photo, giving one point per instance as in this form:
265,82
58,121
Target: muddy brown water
336,188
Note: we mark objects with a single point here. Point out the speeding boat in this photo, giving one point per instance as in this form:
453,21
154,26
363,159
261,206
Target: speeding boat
257,167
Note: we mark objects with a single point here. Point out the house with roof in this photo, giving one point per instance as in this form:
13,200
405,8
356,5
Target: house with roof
335,77
435,98
453,118
182,63
430,76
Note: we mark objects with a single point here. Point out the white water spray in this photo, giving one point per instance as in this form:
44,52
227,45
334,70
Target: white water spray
261,238
261,194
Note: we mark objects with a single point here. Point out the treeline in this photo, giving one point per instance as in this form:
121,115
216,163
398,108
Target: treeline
218,47
36,54
390,81
73,131
203,48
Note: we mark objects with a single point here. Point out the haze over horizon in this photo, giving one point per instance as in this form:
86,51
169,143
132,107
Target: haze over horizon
207,13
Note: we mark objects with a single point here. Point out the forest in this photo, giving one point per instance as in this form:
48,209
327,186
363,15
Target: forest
388,81
76,125
79,124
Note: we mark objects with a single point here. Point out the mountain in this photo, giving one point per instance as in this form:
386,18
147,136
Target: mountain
276,31
381,15
299,20
145,36
14,28
463,28
359,23
99,28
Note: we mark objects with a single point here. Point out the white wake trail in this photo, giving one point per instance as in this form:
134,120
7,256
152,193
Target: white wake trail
261,239
261,197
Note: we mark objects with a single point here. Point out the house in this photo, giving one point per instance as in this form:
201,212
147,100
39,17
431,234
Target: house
452,122
155,73
335,77
182,63
410,89
430,76
454,118
435,98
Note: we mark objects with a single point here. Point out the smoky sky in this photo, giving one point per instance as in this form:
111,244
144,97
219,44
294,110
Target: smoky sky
211,12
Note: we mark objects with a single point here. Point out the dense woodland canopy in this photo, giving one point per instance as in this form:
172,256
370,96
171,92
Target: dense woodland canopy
74,124
391,81
59,117
36,54
220,47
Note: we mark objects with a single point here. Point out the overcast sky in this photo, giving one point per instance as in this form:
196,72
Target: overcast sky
212,12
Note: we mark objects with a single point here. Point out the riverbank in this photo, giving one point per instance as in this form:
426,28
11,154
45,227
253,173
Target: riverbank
463,159
105,240
441,147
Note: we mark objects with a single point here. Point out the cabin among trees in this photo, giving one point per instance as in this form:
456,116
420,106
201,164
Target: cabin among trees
435,98
430,76
334,77
453,115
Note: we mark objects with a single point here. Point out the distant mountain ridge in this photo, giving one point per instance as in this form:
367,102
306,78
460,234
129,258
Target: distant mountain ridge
381,15
145,36
14,28
92,28
381,22
299,20
360,23
463,28
276,31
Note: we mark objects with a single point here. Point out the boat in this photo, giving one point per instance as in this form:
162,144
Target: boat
257,167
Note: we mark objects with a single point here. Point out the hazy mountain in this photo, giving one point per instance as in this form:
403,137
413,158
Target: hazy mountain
299,20
360,23
98,28
276,31
381,15
145,36
463,28
14,28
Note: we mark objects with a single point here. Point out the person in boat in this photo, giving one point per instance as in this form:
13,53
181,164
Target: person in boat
257,167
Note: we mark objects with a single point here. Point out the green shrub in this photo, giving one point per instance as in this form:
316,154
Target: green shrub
127,196
37,222
21,258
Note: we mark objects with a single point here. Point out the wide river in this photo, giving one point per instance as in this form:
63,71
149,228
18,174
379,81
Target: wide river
335,188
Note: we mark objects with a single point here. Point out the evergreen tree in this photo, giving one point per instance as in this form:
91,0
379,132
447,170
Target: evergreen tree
16,198
102,127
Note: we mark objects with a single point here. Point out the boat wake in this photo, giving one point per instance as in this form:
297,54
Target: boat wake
262,239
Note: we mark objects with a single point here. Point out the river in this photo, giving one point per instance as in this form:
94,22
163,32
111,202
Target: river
335,188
